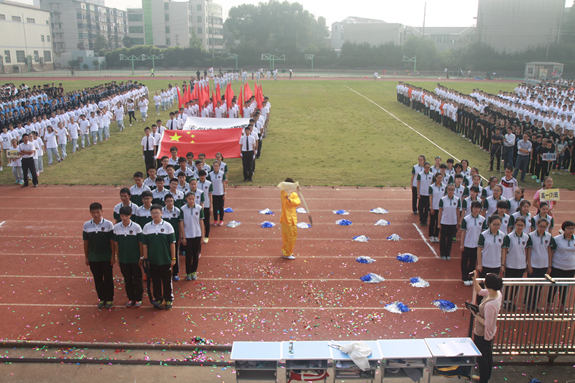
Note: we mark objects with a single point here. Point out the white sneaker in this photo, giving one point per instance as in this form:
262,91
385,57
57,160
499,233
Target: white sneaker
290,257
1,168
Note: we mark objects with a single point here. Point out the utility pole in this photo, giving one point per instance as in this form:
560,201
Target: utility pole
296,38
213,42
177,42
423,28
26,42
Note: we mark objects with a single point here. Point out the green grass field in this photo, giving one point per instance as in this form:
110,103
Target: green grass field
320,133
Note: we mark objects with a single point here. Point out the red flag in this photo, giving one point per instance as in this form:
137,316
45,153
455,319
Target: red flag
218,95
214,103
209,141
189,94
248,92
260,97
179,99
241,105
229,96
195,92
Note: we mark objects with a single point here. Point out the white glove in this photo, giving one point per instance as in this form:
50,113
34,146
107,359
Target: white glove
155,158
144,157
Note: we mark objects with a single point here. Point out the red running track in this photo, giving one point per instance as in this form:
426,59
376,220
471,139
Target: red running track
245,291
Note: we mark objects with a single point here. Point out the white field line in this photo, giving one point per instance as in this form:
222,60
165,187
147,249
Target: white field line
425,240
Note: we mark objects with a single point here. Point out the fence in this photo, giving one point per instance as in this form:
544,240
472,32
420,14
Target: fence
298,73
538,318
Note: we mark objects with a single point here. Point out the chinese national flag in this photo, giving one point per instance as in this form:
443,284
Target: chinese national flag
210,142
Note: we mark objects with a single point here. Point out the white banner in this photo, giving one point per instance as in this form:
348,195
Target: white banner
202,123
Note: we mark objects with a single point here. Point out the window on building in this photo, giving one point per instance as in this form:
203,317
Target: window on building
47,56
2,17
20,57
42,38
135,29
167,17
47,38
16,18
35,53
190,18
7,57
199,30
191,30
199,7
199,19
31,21
137,41
166,6
167,29
167,41
135,17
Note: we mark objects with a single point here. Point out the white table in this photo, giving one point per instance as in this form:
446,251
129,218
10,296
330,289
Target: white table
404,349
440,359
348,373
307,355
264,354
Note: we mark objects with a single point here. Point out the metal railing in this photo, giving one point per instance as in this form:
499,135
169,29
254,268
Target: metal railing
536,317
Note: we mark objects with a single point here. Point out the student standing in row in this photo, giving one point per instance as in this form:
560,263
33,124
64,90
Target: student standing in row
436,193
489,248
219,182
148,148
171,214
471,228
159,248
128,252
97,235
541,254
247,146
449,218
414,172
516,256
191,233
424,181
26,152
125,195
562,264
207,188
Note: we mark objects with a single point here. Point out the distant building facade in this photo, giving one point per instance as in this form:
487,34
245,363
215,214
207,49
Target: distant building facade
445,37
360,30
517,25
165,23
26,38
76,24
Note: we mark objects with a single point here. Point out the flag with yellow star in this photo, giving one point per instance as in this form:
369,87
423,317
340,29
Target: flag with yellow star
209,142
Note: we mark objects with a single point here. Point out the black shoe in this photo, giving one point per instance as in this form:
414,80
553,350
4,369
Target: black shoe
24,186
415,212
491,169
245,180
250,180
35,186
423,223
157,305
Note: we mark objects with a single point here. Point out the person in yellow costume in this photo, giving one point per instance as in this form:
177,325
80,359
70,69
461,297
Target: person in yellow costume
288,220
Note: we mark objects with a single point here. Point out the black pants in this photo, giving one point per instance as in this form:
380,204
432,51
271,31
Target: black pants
247,159
132,273
414,199
161,282
207,222
511,291
218,202
433,229
259,147
176,267
468,262
485,362
532,294
544,169
149,159
558,273
103,279
28,164
192,250
495,154
446,239
423,208
132,115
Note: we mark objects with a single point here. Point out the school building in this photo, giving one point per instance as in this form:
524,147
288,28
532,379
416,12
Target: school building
27,39
166,24
77,25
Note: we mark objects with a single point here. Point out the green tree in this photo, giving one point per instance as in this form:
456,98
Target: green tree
425,51
96,64
74,64
101,43
195,42
127,41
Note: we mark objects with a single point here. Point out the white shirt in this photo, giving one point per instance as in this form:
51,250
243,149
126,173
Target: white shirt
150,141
191,217
250,143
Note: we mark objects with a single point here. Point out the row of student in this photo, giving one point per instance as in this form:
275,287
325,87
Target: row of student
152,244
478,121
518,254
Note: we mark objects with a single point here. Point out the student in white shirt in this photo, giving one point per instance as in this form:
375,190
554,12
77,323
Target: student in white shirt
489,248
62,138
94,127
51,144
471,228
119,116
16,164
6,139
157,102
562,263
130,106
436,193
539,265
106,118
85,130
143,106
74,129
515,256
39,153
449,219
424,181
414,172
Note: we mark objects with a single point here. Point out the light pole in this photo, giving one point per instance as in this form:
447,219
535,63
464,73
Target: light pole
234,56
411,60
310,57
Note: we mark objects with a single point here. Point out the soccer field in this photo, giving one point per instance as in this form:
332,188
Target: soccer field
321,133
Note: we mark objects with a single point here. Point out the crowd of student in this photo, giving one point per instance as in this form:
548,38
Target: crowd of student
167,214
52,121
499,234
519,127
